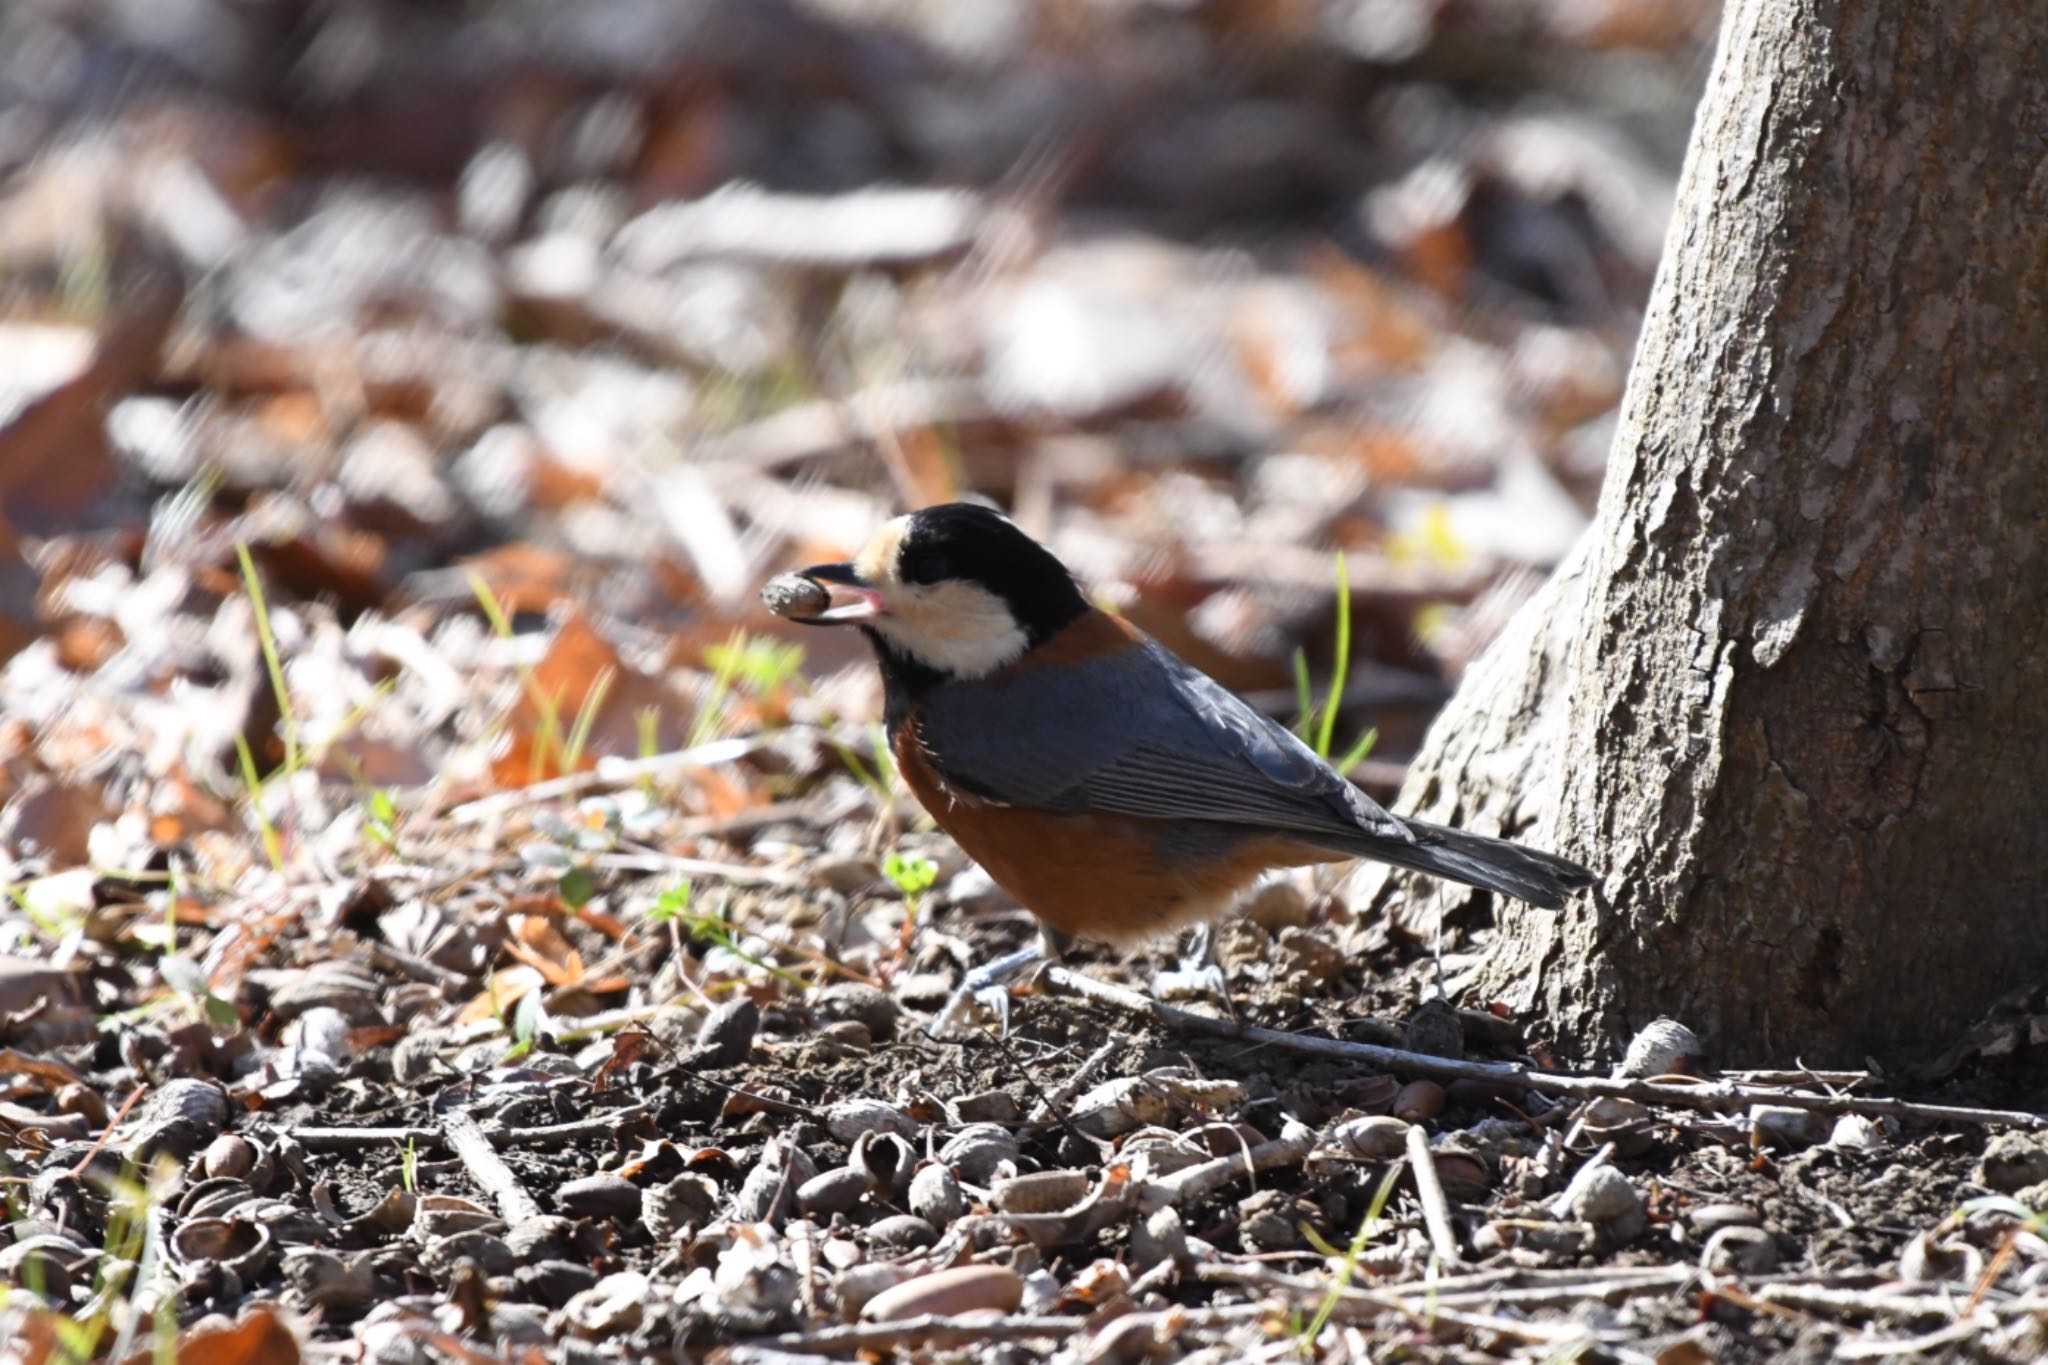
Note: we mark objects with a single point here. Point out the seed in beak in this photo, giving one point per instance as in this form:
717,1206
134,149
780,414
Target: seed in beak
825,594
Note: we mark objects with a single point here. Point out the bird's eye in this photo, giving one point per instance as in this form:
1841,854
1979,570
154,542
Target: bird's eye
926,566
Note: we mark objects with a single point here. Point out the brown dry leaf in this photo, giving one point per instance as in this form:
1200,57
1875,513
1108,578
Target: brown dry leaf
580,671
628,1047
24,981
52,1074
55,817
36,1340
502,990
538,943
327,559
611,926
719,796
261,1338
523,577
54,461
1386,333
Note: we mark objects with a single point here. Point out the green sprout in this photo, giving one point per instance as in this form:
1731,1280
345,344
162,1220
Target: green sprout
527,1017
913,874
757,666
672,905
380,817
1317,723
1347,1260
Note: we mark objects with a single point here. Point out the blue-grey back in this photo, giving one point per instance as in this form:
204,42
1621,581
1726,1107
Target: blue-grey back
1136,732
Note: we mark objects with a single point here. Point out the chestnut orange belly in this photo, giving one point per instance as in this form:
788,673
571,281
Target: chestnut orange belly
1112,878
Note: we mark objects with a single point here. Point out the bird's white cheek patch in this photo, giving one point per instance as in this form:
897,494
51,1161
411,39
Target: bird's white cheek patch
960,629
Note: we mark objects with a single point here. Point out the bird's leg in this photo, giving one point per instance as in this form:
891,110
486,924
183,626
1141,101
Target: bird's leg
989,984
1199,974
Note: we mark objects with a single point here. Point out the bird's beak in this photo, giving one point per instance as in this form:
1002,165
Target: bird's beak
854,600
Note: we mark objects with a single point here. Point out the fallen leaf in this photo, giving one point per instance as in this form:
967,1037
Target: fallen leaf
261,1338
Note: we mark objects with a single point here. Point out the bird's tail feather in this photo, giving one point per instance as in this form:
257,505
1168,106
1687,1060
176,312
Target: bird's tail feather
1476,860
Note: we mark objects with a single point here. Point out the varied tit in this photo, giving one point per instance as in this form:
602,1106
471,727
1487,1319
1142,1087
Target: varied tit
1113,789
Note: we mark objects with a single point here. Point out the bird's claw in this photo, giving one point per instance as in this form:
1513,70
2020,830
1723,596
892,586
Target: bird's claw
1199,976
989,987
1205,982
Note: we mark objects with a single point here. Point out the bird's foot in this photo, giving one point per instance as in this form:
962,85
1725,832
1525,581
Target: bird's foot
987,986
1199,976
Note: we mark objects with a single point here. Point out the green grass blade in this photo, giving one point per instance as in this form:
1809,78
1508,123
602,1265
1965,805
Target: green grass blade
270,658
1341,665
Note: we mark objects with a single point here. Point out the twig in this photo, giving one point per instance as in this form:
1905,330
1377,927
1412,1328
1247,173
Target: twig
936,1330
356,1139
609,772
1619,1284
1878,1304
1370,1303
1712,1095
488,1169
671,865
108,1130
1436,1210
543,1135
1921,1347
1195,1182
392,959
1059,1099
932,1329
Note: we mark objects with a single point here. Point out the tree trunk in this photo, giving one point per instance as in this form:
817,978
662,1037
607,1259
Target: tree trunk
1792,697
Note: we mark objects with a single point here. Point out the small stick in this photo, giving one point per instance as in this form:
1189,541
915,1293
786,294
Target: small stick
935,1329
609,772
1369,1303
1878,1304
1712,1096
1436,1210
548,1134
672,865
418,968
1058,1100
1290,1149
488,1169
108,1131
1617,1285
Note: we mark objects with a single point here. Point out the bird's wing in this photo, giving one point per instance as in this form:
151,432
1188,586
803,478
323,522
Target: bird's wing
1136,732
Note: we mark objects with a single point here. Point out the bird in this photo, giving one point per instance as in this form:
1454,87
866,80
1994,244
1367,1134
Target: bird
1112,789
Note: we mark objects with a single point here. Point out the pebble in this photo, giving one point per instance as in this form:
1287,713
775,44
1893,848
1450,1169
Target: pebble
603,1195
904,1232
1708,1219
1376,1137
836,1191
1604,1195
935,1195
862,1004
1740,1251
1418,1101
1039,1192
1781,1126
1665,1047
847,1120
948,1293
2013,1161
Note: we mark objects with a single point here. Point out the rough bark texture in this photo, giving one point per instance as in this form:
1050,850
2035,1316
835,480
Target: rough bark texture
1793,700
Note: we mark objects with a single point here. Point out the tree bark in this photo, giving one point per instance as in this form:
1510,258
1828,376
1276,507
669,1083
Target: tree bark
1792,698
